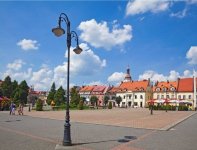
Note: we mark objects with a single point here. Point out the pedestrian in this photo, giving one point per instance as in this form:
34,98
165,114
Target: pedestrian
20,109
13,109
11,106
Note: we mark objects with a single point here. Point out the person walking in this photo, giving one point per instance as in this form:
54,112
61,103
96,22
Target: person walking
13,109
20,110
11,106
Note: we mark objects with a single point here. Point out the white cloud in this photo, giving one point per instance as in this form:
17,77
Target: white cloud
173,75
116,77
42,79
96,83
85,64
27,44
99,35
154,76
180,14
19,76
142,6
192,55
16,65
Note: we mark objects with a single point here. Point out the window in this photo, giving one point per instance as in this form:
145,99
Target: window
172,89
157,96
167,96
124,97
135,96
164,89
190,97
179,96
184,96
129,96
162,96
157,89
141,97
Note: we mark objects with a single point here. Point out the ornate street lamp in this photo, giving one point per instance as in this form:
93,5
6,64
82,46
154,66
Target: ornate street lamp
58,31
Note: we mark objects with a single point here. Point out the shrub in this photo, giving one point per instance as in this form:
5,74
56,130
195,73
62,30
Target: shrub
39,105
80,105
110,105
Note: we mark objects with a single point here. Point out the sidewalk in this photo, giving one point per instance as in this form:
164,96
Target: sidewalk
130,117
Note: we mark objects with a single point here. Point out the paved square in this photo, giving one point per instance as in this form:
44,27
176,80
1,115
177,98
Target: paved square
130,117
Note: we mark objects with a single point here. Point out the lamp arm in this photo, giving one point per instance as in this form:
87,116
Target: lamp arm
74,34
64,17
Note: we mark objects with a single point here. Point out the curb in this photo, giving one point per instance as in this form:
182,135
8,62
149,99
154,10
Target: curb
168,127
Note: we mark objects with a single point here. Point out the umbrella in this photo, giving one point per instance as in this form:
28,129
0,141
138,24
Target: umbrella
185,102
173,101
151,101
159,101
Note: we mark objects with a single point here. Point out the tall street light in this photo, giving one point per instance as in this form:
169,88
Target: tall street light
58,31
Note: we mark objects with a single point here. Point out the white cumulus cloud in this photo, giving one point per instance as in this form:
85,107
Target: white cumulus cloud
99,34
180,14
16,65
192,55
173,75
28,44
116,77
142,6
85,64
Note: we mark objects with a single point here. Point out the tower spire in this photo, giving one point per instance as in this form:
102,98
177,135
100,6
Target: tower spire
127,76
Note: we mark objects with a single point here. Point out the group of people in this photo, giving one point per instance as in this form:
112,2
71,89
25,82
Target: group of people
13,109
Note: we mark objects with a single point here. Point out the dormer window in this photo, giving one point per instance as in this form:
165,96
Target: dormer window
172,89
157,89
141,89
164,89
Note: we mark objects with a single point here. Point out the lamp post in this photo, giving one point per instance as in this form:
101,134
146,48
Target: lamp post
58,31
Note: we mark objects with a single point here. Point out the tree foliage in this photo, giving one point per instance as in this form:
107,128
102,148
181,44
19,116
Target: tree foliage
59,98
118,100
7,87
75,97
94,100
106,99
110,105
18,93
51,95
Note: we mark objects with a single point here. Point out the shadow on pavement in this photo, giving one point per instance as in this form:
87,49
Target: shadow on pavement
123,140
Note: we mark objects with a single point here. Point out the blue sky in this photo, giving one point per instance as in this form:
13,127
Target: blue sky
156,39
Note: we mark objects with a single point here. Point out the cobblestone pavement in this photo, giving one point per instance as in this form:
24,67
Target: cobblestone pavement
103,129
130,117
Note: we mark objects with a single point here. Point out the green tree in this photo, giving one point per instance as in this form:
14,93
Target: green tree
39,105
118,100
16,97
24,90
106,99
59,97
94,100
75,97
110,105
80,105
14,88
51,95
7,87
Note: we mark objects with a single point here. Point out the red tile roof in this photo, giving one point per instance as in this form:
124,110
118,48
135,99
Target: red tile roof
113,89
166,85
86,89
134,85
186,85
98,88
